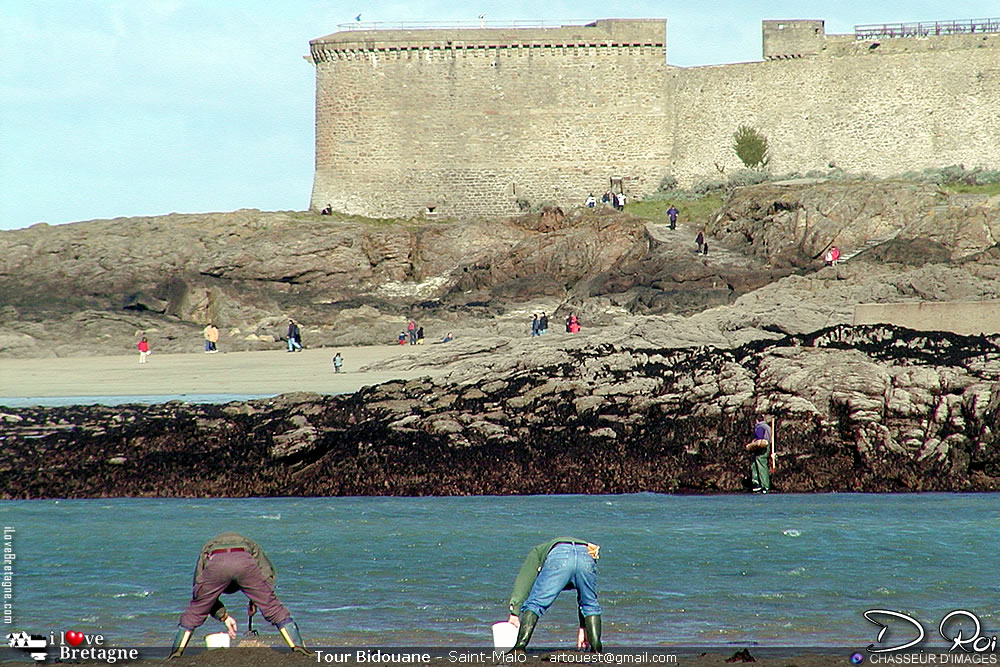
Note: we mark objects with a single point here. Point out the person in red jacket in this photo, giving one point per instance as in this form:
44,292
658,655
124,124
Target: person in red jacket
143,350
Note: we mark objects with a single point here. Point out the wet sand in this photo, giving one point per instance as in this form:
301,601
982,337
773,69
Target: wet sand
268,372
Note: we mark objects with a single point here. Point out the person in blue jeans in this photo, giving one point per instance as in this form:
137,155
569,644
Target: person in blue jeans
564,563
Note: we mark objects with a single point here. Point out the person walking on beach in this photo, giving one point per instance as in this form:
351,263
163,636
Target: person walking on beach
228,563
762,450
143,350
564,563
211,333
672,214
294,337
338,361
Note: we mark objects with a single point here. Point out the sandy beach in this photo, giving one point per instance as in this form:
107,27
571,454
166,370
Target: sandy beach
268,372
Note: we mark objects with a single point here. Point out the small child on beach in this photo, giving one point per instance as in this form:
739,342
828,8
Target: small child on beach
338,361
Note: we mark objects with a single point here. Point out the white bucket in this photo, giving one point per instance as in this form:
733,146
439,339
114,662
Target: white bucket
504,635
217,640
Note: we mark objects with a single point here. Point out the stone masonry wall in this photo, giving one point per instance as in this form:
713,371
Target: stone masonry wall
472,128
882,114
969,318
471,131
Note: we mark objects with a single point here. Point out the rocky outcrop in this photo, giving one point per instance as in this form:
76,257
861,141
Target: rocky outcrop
794,224
95,287
90,287
858,409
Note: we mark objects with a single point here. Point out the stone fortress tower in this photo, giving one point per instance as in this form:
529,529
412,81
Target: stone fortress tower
490,121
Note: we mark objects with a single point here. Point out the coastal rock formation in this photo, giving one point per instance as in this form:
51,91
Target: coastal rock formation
657,393
858,409
90,287
95,287
795,223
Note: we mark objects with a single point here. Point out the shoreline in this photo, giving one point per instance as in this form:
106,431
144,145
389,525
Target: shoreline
254,373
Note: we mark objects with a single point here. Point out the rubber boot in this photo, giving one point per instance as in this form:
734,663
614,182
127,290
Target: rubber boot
528,621
181,640
592,630
290,632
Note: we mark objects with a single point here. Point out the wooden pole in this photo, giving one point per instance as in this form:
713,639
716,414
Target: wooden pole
774,436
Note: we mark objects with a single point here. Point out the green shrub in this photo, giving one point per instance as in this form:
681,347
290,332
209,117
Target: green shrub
667,184
745,177
987,177
704,187
955,174
751,147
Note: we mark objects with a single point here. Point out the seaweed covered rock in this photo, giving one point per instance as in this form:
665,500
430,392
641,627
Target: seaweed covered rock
873,408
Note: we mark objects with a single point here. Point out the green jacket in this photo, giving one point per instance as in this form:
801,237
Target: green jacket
228,541
529,571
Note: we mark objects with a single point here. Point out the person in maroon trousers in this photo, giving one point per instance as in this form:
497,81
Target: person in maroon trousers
229,563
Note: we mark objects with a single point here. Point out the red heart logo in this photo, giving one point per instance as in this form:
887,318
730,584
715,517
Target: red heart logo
74,638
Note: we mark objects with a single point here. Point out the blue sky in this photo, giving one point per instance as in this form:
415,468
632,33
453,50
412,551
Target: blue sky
133,107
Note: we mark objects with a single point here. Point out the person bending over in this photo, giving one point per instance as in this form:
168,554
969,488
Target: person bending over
564,563
229,563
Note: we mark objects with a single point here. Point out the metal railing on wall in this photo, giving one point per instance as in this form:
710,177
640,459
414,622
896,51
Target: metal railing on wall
451,25
926,29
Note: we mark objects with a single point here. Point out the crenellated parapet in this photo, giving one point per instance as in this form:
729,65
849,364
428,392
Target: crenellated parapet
604,36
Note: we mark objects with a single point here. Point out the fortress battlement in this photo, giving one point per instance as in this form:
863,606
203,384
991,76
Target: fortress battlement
786,39
603,34
469,121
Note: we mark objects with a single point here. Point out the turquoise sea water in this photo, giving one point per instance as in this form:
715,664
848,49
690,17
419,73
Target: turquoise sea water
776,570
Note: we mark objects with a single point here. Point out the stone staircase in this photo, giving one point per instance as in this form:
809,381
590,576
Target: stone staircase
869,244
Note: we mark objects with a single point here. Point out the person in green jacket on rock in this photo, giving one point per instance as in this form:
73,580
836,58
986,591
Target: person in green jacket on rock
551,567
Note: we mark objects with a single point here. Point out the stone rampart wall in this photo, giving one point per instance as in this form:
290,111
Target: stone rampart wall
477,126
881,114
473,131
968,318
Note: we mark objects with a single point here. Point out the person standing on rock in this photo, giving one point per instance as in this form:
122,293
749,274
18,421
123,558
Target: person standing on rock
700,240
672,214
543,324
143,350
564,563
229,563
762,450
294,337
211,333
534,325
412,328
